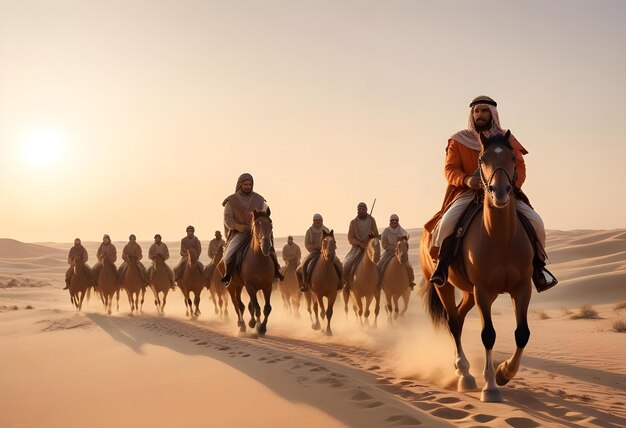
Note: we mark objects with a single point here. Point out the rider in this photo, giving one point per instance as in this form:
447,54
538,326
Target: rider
76,251
159,249
388,240
214,245
189,242
132,250
105,250
361,228
238,209
291,253
313,244
461,164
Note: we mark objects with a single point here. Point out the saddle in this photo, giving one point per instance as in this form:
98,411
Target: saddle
241,251
308,267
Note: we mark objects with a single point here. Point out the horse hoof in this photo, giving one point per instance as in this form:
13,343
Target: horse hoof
467,384
316,326
501,379
251,323
329,333
491,395
262,330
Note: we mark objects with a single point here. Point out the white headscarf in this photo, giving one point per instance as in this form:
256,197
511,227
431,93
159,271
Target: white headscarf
470,137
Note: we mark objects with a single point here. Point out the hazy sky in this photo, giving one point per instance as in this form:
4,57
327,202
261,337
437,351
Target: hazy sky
156,107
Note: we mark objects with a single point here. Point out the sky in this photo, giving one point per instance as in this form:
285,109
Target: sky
137,117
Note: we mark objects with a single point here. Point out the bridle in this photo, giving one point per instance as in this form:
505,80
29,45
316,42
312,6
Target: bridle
485,183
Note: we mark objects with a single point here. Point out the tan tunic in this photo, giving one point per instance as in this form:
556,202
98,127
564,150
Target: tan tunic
360,230
214,245
238,209
190,244
292,253
156,249
132,250
107,250
313,238
390,237
77,251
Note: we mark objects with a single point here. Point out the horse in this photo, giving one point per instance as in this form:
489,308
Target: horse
323,282
395,280
133,283
289,289
192,281
215,286
365,282
496,257
255,274
159,283
80,283
108,284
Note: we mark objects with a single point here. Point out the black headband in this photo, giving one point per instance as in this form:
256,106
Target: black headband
483,101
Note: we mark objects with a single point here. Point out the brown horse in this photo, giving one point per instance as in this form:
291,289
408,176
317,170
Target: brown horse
192,282
256,274
132,282
289,289
365,283
395,280
159,283
80,283
215,286
496,257
324,281
108,284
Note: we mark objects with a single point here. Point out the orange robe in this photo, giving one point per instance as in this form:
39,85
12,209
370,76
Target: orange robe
461,162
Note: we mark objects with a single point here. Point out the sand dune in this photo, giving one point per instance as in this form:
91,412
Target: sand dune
159,371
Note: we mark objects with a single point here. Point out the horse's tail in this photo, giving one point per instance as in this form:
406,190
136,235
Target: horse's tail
433,305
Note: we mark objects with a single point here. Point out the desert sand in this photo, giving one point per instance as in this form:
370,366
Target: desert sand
59,368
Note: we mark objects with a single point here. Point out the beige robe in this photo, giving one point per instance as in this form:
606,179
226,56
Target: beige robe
214,245
77,251
313,238
156,249
390,237
132,250
292,254
190,244
107,250
238,209
360,230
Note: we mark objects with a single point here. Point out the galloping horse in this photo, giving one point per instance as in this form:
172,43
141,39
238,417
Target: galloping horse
159,283
256,273
496,257
324,281
217,289
365,282
108,284
192,281
395,280
133,283
289,289
80,282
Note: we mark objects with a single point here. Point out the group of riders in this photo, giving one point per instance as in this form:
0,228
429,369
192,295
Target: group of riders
464,187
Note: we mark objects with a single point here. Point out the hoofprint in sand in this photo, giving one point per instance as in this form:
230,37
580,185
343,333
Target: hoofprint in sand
59,368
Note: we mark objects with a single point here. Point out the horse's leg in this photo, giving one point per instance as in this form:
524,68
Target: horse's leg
396,306
388,304
484,299
196,302
329,312
296,303
366,313
346,298
252,305
456,317
164,300
80,302
186,300
507,369
215,300
377,307
117,295
143,294
267,309
358,308
130,301
405,299
320,300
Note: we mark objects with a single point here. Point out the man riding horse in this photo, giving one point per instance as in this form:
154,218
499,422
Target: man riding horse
313,244
105,250
77,251
189,242
389,239
238,211
132,253
461,165
362,227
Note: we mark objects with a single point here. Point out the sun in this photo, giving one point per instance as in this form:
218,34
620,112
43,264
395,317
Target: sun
44,147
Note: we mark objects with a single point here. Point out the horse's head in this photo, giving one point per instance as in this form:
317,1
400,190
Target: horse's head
77,262
402,249
192,256
497,169
329,245
373,247
262,230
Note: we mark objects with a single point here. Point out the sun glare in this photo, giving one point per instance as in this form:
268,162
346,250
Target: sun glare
44,148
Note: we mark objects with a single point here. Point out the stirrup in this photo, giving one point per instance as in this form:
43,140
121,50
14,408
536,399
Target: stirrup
543,279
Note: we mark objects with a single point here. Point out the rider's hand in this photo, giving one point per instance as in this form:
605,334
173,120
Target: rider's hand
473,182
